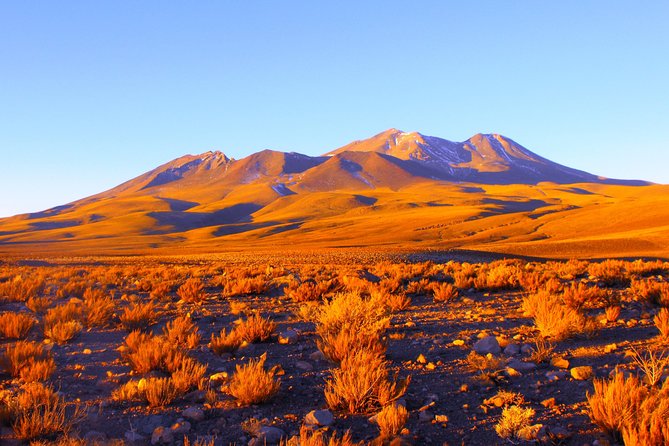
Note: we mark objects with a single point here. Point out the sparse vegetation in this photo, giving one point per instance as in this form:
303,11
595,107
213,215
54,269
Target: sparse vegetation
252,384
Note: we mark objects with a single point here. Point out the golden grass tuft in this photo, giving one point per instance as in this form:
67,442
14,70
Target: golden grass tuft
192,291
15,325
28,360
661,321
391,420
182,332
98,308
513,422
444,292
309,437
63,331
349,323
225,342
139,316
255,328
252,384
362,384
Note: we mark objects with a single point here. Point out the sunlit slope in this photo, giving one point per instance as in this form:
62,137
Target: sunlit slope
394,190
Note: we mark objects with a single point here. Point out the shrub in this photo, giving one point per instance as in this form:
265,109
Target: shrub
182,332
393,302
362,384
553,319
542,350
20,289
444,292
192,291
513,422
160,290
28,360
349,323
391,420
255,329
39,304
98,308
308,437
63,331
159,392
42,413
70,311
15,325
609,272
252,384
650,292
225,342
615,403
138,316
579,296
661,321
651,364
612,313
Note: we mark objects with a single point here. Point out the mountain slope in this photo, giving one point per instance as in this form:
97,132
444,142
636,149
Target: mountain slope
395,189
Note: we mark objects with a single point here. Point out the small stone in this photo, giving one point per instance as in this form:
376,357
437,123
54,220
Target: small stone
317,356
133,437
526,349
512,349
219,377
95,437
425,416
582,373
430,366
319,418
87,351
549,403
162,435
441,418
421,359
458,342
529,433
270,435
410,324
610,348
559,362
193,414
288,337
513,373
304,365
181,427
522,366
487,345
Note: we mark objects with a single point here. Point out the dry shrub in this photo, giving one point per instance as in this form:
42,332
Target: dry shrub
362,384
199,441
306,291
309,437
70,311
418,286
615,403
63,331
182,332
159,392
192,291
127,392
609,272
391,420
225,342
553,319
579,296
187,375
39,304
28,360
139,316
498,275
650,292
252,384
393,302
651,364
349,323
160,290
612,313
244,286
514,421
255,329
444,292
145,354
15,325
661,321
40,413
20,289
484,364
98,308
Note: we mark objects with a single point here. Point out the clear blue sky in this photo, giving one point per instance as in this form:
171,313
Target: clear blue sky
94,93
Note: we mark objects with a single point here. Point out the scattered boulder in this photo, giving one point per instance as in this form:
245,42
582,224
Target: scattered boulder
559,362
180,427
512,349
317,356
133,437
268,435
162,435
289,336
522,366
304,366
582,373
319,418
193,413
487,345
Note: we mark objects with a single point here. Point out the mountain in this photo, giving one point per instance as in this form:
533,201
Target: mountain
394,190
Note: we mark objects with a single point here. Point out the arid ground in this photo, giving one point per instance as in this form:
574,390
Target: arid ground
441,348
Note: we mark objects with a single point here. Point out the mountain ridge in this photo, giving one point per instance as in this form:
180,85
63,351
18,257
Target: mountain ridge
392,189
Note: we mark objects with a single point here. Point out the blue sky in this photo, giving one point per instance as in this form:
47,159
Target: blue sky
95,93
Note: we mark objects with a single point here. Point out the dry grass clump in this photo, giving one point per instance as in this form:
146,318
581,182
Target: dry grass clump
651,364
362,384
393,302
39,304
192,291
579,296
39,413
145,353
488,367
310,437
182,332
160,290
63,322
15,325
20,289
514,422
542,350
308,291
243,286
661,321
225,342
255,328
609,272
612,313
553,319
391,420
650,292
28,360
444,292
252,384
349,323
98,308
139,315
